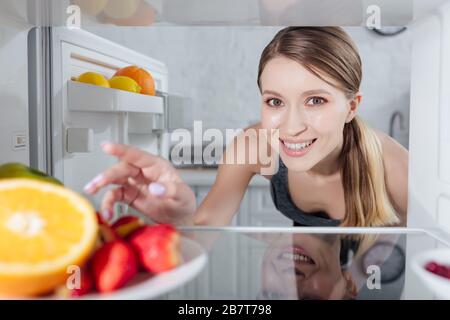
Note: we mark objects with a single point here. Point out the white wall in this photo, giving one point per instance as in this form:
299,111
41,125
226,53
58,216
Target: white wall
217,66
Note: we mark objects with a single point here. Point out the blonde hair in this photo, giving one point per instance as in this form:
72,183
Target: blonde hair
330,51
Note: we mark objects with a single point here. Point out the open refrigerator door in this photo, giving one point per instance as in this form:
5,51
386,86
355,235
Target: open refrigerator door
79,116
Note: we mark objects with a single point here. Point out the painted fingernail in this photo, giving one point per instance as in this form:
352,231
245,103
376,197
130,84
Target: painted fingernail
88,187
93,182
157,189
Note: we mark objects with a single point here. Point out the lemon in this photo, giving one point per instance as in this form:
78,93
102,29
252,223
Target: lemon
19,170
124,83
46,233
93,78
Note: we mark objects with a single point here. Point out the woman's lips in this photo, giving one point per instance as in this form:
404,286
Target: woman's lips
295,260
296,149
296,254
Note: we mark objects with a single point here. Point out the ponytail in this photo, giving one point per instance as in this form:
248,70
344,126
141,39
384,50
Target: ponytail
366,199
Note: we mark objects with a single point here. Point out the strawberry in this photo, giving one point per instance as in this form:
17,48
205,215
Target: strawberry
113,265
105,232
157,247
86,284
100,219
438,269
125,225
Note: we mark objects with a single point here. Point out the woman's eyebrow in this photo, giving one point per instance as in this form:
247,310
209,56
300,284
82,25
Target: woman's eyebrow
316,91
306,93
272,92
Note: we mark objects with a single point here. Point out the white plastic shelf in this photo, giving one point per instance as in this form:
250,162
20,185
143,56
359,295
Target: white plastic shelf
91,98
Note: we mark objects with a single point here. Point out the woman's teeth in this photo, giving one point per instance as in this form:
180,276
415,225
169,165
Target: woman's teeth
296,257
298,146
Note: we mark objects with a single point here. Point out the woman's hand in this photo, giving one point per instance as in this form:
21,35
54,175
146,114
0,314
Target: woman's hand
148,183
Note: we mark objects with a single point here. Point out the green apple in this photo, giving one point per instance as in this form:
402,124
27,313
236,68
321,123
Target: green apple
19,170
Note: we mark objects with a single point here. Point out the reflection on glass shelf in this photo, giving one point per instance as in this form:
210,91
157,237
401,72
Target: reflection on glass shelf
308,265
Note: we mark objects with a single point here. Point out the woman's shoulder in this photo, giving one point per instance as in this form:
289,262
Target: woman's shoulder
391,149
395,160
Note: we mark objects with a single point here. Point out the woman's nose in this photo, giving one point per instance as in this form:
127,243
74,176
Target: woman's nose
295,121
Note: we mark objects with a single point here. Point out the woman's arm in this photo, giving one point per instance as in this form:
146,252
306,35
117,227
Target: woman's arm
153,186
225,196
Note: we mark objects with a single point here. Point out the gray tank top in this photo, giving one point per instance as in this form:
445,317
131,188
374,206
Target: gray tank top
279,190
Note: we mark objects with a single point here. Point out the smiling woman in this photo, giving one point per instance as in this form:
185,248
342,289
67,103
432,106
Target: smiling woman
334,170
309,79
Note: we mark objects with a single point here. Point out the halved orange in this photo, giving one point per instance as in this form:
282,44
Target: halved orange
45,230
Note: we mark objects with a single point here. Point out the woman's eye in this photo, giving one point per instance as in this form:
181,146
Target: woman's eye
274,102
314,101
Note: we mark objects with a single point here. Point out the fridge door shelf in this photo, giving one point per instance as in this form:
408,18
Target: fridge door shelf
90,98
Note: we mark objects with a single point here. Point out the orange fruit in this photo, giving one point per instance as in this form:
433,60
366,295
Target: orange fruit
141,76
45,230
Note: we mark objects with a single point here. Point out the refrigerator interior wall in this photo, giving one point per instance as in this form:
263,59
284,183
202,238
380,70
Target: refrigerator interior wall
428,204
429,169
75,52
443,203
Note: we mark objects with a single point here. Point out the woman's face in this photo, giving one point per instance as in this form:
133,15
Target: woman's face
306,266
309,113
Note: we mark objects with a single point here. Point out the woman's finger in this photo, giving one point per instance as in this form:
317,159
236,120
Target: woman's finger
117,174
135,156
122,194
